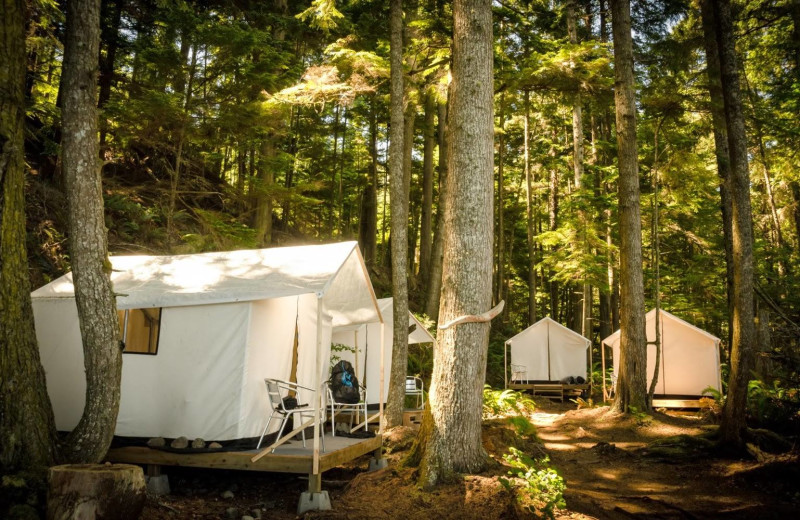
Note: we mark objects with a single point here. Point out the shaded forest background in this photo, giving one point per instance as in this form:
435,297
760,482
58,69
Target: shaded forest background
242,124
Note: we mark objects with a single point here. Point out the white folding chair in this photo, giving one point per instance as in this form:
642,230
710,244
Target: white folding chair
519,372
354,409
277,390
416,387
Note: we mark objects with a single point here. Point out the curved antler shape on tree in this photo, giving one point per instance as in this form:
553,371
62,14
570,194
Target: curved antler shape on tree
473,318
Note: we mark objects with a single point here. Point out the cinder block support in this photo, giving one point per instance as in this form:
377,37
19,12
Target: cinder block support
314,499
157,482
313,502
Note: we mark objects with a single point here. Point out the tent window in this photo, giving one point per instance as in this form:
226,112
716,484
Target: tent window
140,329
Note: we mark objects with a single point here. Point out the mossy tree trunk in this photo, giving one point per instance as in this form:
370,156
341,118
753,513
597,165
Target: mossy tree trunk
97,314
743,330
450,439
632,382
27,428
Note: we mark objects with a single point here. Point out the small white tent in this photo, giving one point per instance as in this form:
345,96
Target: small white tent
219,324
689,356
549,351
365,340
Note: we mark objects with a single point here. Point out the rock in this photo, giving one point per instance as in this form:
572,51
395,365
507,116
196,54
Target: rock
157,442
180,443
215,445
227,495
23,512
257,514
198,443
115,492
248,517
232,513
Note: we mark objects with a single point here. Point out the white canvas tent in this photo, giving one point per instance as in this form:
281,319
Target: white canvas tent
227,321
689,356
549,351
366,341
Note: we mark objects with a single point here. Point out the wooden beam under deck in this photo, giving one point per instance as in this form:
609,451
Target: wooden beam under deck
286,459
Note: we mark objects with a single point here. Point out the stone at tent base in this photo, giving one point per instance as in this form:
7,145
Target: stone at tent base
158,485
180,443
110,492
157,442
376,464
198,443
313,502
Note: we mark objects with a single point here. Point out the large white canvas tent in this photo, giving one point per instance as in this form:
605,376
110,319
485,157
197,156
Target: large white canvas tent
689,356
549,351
225,322
364,348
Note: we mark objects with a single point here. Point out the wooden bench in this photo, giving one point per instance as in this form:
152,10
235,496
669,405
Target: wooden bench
551,390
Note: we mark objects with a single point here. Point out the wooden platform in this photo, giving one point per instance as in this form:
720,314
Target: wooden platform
553,390
677,403
288,458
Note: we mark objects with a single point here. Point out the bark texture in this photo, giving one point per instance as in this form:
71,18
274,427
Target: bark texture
27,428
743,331
112,492
437,250
632,382
97,313
426,224
450,441
399,205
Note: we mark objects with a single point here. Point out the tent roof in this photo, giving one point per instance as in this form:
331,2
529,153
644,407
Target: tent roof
613,338
420,334
543,323
335,272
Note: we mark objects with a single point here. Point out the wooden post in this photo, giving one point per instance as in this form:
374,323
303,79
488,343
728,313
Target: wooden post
505,363
380,396
603,368
314,483
318,382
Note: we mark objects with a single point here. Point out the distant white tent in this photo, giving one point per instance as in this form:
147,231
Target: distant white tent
214,326
549,351
689,356
366,341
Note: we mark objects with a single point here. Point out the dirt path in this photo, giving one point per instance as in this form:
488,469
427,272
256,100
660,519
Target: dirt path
611,472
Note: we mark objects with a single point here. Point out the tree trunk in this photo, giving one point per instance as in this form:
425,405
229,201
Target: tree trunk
27,427
450,441
109,36
97,310
409,120
426,226
632,381
529,213
368,222
110,492
399,238
733,423
500,239
266,178
721,146
437,251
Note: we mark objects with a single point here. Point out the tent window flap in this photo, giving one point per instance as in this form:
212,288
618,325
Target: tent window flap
140,330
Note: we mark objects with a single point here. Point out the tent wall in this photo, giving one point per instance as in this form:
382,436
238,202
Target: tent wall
690,356
550,351
353,338
192,387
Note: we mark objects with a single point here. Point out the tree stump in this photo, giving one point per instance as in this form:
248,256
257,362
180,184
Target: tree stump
89,491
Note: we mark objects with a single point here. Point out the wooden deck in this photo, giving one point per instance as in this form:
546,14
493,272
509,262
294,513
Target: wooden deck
677,403
553,390
288,458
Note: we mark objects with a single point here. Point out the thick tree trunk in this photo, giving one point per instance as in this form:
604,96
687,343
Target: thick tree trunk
437,251
451,438
27,428
632,382
97,312
733,422
399,239
720,145
426,225
266,178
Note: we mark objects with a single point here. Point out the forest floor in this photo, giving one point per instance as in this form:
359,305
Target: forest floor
657,467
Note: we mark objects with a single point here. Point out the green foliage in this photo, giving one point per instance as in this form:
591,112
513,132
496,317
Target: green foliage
774,406
505,402
340,347
640,417
540,487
